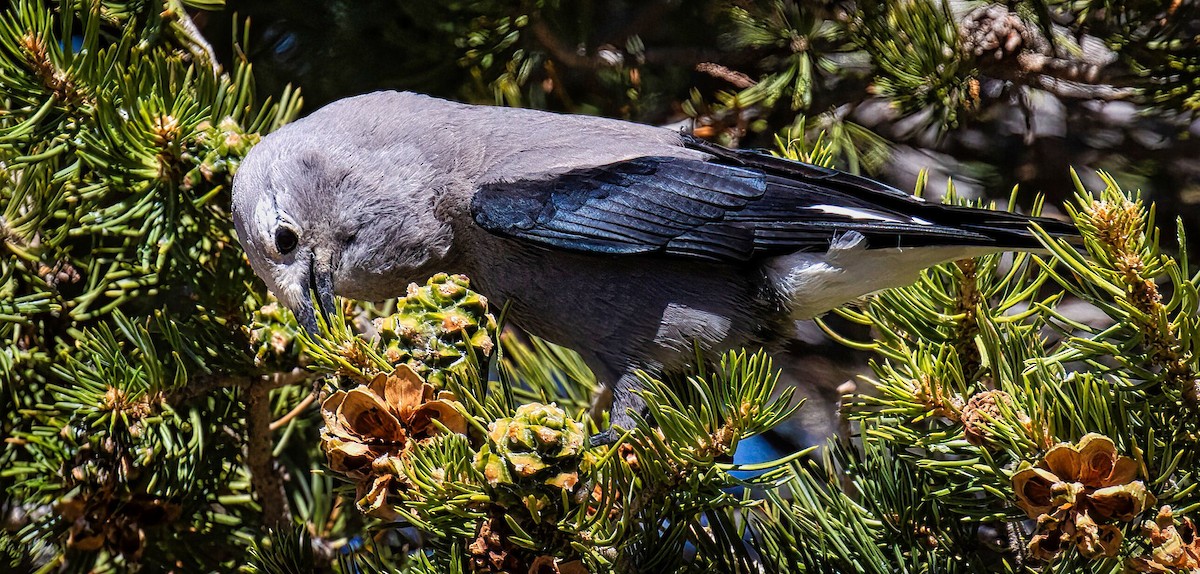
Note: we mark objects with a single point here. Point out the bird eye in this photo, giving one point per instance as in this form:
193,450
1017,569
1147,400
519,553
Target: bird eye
285,240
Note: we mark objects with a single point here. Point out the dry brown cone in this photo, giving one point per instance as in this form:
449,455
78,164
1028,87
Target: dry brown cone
116,525
1075,491
980,411
984,410
1176,545
491,551
369,426
992,32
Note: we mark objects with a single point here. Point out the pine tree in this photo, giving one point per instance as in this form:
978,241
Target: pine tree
162,413
126,301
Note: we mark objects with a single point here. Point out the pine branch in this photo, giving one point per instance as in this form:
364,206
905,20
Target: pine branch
265,478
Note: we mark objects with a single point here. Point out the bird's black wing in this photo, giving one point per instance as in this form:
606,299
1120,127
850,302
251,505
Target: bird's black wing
734,207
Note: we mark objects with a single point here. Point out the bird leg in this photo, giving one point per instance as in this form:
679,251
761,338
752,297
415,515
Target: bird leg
627,407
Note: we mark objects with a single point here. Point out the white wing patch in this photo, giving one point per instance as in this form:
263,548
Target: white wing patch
867,214
854,213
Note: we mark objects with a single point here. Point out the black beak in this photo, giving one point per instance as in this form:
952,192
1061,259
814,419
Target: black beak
320,296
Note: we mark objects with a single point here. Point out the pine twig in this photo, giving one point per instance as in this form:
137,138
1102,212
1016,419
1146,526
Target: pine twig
299,408
738,79
202,385
264,480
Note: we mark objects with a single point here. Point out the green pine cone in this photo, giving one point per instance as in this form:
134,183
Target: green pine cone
216,152
273,336
438,328
541,445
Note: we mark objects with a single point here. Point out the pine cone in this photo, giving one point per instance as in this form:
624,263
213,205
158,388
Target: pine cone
436,328
215,152
116,524
491,551
1175,545
532,456
982,410
273,336
1075,491
369,426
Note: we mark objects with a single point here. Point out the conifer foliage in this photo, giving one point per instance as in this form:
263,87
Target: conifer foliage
162,413
125,299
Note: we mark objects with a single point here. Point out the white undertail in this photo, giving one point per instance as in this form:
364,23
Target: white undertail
813,283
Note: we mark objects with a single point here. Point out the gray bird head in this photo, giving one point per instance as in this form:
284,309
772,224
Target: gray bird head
341,202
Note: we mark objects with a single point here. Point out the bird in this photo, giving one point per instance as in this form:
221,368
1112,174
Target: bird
634,245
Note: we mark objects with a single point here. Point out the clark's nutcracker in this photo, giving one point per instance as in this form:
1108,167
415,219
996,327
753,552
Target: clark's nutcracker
628,243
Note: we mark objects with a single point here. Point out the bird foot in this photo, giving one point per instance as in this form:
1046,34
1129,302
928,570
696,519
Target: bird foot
604,438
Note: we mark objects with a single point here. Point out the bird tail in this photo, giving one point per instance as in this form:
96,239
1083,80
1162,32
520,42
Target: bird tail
1004,229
